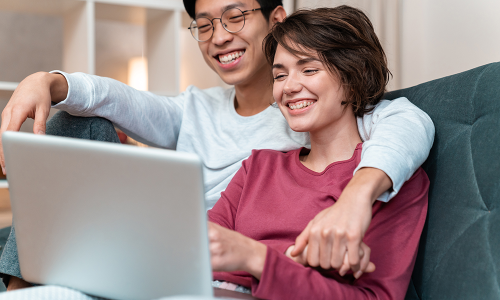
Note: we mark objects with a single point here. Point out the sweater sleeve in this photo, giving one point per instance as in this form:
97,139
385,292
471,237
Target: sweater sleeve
149,118
398,137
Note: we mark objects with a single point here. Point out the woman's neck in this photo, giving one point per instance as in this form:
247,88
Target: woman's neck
254,97
336,142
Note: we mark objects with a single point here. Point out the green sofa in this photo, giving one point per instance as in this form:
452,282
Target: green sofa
459,255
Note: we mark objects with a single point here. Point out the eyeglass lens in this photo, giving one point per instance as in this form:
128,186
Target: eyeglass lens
232,20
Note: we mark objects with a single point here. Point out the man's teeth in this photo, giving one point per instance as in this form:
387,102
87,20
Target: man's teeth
300,105
229,58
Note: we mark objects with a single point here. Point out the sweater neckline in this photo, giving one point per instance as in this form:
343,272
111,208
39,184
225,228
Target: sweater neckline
305,150
241,118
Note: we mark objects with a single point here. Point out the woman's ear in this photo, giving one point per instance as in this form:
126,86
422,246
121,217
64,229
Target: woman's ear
277,15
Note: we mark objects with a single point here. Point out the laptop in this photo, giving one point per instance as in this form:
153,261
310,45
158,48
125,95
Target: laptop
110,220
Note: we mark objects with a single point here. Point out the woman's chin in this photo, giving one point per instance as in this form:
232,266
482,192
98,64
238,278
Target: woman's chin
299,128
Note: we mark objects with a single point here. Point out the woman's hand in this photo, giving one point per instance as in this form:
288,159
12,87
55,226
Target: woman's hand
232,251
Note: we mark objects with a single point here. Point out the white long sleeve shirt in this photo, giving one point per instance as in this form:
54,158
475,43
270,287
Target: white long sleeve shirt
397,135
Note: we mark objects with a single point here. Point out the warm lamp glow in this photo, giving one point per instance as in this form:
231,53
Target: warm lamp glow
138,73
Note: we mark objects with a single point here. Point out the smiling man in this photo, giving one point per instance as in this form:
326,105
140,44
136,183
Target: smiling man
224,126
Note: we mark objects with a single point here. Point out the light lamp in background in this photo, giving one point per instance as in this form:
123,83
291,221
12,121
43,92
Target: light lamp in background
138,73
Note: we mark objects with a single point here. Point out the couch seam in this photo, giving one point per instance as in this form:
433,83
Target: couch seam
497,285
470,133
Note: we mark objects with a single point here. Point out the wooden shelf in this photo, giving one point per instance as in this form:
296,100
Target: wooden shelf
8,86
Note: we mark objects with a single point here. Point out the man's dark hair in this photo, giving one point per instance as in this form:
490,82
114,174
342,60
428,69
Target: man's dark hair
267,7
345,41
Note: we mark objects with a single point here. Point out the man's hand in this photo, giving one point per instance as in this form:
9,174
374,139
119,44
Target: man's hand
32,99
334,237
232,251
17,283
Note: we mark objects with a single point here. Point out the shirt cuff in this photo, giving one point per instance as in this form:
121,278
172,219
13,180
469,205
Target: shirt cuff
75,103
390,162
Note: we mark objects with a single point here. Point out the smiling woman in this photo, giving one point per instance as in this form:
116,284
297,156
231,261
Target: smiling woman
328,68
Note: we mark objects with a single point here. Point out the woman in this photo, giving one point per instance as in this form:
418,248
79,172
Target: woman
328,65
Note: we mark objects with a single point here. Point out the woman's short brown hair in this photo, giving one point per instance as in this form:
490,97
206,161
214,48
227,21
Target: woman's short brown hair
346,43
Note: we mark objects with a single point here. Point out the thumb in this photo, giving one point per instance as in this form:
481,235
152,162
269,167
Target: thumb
301,241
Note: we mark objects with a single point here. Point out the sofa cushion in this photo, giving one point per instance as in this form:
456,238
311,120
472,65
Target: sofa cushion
459,254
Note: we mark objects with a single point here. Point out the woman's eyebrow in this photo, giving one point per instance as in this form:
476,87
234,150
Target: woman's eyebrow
307,60
277,66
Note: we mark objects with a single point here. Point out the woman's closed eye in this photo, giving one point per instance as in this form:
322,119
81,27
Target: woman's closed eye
311,71
279,77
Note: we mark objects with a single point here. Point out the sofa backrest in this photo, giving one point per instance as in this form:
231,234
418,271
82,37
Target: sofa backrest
459,254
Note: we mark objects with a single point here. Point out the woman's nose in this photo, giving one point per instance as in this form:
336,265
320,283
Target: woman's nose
292,85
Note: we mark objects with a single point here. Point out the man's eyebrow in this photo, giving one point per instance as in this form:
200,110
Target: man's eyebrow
306,60
232,5
277,66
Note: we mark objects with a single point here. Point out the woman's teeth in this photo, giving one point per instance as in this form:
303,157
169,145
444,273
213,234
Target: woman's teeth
229,58
300,105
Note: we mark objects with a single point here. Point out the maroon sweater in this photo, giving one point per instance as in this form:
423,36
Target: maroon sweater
273,197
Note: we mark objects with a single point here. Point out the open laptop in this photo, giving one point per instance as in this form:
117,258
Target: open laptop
110,220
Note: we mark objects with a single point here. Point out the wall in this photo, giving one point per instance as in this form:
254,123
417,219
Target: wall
35,40
445,37
428,39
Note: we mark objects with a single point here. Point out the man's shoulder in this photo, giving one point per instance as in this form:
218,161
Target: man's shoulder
216,93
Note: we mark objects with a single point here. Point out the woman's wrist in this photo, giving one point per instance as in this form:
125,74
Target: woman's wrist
256,260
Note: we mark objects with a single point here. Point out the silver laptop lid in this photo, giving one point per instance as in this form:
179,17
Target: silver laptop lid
107,219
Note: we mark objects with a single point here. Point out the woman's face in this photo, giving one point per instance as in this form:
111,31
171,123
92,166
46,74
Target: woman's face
308,95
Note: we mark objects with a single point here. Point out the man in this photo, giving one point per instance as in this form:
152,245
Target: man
223,126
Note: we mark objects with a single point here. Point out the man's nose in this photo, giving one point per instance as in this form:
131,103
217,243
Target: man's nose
221,35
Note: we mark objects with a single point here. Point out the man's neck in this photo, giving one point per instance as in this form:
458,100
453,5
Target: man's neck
254,97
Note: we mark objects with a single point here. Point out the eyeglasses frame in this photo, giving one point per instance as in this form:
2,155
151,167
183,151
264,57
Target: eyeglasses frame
220,20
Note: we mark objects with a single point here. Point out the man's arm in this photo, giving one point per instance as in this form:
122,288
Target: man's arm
398,139
32,99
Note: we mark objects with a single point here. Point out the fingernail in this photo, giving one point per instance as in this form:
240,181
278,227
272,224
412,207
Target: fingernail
3,170
41,132
358,274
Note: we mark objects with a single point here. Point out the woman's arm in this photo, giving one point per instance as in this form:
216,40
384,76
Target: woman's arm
398,137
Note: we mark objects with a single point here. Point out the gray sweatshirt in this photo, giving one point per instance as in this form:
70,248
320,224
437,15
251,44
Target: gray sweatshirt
397,135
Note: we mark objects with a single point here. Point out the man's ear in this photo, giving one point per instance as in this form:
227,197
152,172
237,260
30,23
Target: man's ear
277,15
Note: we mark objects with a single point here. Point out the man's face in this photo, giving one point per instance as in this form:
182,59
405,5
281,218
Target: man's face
236,57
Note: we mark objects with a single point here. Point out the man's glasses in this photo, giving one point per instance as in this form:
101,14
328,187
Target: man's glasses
232,20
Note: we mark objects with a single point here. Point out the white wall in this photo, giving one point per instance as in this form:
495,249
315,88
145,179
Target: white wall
429,39
445,37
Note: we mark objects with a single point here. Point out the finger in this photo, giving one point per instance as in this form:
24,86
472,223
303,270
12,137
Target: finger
313,248
41,116
345,265
338,251
355,253
325,249
301,241
369,269
3,127
365,260
17,119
